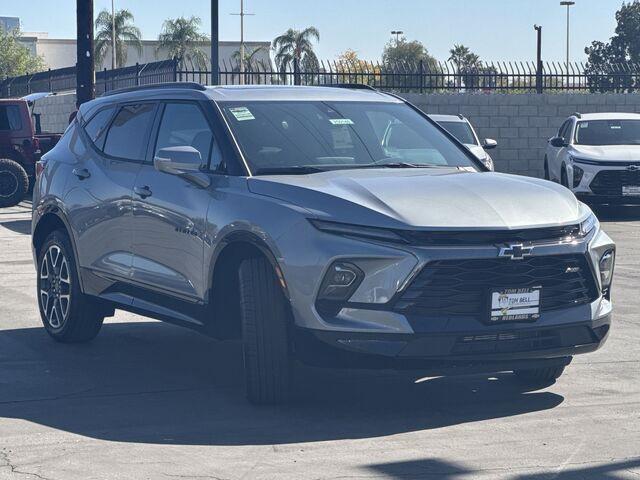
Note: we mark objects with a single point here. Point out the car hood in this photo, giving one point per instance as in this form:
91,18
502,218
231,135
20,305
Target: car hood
438,198
606,152
477,150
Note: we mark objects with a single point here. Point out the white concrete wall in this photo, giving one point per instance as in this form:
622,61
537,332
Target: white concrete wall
55,111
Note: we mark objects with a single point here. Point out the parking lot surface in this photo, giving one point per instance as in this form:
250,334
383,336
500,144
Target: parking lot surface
147,400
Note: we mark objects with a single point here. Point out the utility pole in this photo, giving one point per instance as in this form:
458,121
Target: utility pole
242,15
567,4
113,36
539,82
215,37
85,81
397,33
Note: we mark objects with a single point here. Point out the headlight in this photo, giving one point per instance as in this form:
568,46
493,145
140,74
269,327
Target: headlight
589,225
348,230
606,270
338,285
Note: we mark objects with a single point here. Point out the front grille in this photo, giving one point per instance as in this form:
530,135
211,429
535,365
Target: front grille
461,287
488,237
610,182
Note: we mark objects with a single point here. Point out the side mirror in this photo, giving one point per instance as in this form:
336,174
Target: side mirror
489,144
557,142
184,161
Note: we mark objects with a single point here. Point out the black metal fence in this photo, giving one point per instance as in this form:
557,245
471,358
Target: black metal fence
423,77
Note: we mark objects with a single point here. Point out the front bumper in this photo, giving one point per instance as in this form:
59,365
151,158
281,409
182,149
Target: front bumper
601,183
484,350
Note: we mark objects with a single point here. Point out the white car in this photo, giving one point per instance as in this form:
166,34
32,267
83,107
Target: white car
597,156
463,131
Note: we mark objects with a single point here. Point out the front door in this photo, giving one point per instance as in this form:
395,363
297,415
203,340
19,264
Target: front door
170,211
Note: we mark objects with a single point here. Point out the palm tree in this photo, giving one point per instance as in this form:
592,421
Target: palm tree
294,48
467,63
182,39
249,63
458,54
126,34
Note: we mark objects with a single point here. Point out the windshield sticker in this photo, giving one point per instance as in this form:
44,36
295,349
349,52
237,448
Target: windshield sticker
341,121
242,113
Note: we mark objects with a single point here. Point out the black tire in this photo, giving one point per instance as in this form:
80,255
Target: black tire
265,320
540,376
564,180
14,182
546,169
67,314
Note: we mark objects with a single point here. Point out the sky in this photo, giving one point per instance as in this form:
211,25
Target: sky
497,30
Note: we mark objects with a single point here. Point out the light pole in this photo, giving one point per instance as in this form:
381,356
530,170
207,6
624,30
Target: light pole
397,33
215,54
113,36
568,4
242,15
539,84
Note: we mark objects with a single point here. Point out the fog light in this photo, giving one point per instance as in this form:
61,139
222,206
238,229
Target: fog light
340,281
577,175
606,270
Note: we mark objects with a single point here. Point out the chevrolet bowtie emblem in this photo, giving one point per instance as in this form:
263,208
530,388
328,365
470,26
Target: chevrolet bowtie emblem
515,252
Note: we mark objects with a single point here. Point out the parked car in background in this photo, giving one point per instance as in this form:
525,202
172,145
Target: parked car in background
461,128
597,156
331,226
21,144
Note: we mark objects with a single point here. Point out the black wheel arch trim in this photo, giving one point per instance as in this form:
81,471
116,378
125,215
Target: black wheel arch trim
243,236
55,210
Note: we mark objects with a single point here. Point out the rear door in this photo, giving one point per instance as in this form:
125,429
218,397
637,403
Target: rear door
170,211
99,197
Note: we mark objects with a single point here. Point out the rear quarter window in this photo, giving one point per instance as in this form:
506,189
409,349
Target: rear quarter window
96,128
10,118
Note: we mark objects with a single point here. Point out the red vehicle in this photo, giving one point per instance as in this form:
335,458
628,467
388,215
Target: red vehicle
22,142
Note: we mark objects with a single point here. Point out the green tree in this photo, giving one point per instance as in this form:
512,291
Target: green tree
623,47
468,65
403,59
294,50
250,63
182,39
126,33
15,58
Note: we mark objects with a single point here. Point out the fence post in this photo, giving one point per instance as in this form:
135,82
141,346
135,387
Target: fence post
175,69
539,81
105,80
49,79
421,75
296,72
137,74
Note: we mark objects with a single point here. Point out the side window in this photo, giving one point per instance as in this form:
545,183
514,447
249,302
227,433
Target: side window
184,124
10,118
126,137
564,130
97,126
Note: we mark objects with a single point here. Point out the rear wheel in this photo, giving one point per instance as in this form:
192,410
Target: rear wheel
67,314
267,358
14,182
540,376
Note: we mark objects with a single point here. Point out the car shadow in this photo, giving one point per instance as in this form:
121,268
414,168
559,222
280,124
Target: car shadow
155,383
18,226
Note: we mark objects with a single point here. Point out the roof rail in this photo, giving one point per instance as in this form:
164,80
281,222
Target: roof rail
353,86
156,86
460,116
577,115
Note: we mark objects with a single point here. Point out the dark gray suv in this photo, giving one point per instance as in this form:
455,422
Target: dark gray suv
334,226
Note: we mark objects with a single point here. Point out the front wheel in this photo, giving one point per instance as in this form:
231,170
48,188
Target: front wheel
14,182
68,315
539,376
265,339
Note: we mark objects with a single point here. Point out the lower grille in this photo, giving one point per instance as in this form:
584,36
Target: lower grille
610,182
461,287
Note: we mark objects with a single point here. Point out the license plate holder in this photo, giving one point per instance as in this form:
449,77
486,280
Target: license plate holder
520,304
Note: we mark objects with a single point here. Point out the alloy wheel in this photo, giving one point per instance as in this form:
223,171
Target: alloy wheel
55,286
8,183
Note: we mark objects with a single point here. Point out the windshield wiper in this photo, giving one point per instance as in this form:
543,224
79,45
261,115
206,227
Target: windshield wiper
404,165
294,170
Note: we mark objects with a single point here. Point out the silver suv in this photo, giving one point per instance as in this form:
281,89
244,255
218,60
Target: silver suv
334,226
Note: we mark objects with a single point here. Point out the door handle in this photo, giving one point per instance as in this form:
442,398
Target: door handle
142,192
81,173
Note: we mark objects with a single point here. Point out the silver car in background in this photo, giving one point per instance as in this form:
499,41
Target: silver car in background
463,131
338,227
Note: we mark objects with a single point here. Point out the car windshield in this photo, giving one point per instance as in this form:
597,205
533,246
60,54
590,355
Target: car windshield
309,136
460,130
608,132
